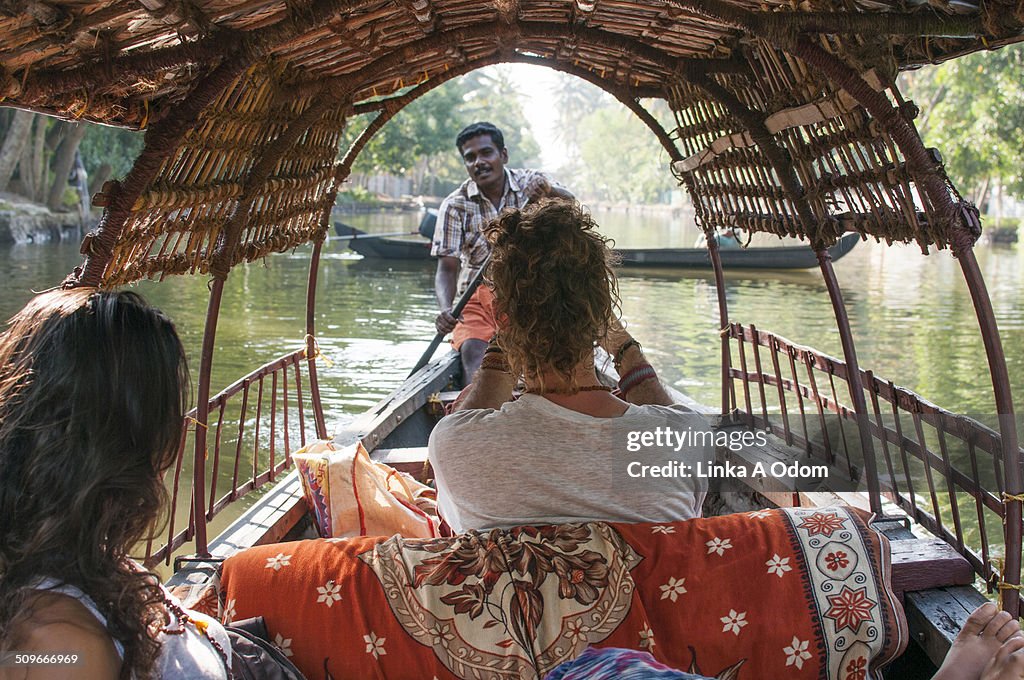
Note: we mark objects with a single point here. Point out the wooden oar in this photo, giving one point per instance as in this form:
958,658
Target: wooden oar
456,312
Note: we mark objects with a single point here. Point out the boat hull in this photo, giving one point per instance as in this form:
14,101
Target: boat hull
787,257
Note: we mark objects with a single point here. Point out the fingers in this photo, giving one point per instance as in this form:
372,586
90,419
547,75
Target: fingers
445,322
539,188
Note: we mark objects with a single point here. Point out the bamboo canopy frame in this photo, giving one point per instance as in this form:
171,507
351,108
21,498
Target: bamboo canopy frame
788,122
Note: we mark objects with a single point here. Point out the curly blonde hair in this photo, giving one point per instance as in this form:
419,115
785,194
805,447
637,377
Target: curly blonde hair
554,288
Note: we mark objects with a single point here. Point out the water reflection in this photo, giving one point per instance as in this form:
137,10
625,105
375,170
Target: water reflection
913,319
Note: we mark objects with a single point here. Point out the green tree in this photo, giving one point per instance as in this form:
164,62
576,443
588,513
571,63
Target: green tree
419,142
108,152
421,129
491,94
620,159
574,100
972,110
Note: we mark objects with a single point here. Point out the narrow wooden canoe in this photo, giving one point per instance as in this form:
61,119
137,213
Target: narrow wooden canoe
368,245
786,257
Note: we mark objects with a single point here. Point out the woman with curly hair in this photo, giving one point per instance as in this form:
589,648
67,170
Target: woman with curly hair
568,449
93,389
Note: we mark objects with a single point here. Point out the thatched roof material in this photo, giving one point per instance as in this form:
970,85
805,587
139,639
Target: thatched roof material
788,118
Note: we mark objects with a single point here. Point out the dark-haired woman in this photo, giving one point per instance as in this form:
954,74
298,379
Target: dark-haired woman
568,449
93,389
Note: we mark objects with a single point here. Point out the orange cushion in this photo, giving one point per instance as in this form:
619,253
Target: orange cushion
774,594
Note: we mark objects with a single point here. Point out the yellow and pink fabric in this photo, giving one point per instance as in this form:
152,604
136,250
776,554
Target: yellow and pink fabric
349,494
793,593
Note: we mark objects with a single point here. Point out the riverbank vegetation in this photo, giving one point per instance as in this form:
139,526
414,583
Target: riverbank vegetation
972,110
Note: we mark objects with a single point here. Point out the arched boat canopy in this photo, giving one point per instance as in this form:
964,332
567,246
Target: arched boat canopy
788,118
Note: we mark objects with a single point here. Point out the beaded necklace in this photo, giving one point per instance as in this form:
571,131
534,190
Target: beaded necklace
201,626
560,390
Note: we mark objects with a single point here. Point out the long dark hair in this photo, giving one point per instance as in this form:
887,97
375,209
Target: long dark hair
93,389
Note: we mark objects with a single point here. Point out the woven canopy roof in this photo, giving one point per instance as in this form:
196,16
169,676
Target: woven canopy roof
128,61
788,118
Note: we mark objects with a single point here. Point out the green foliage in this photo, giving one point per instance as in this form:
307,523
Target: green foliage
69,198
420,140
1001,222
621,160
609,154
972,110
104,144
421,129
354,194
492,95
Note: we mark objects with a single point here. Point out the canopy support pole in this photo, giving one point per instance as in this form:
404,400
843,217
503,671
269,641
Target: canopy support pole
203,417
930,180
312,348
220,266
728,401
782,164
716,260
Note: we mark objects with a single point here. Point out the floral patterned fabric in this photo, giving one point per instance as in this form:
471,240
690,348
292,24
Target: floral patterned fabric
771,594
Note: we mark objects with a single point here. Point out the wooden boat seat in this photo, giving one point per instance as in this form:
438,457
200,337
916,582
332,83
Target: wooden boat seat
795,593
932,579
411,460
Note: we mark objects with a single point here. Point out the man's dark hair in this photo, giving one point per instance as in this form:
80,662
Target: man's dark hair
477,129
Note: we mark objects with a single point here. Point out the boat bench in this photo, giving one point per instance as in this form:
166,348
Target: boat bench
932,579
794,593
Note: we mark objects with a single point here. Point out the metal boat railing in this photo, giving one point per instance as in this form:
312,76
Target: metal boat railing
255,425
939,467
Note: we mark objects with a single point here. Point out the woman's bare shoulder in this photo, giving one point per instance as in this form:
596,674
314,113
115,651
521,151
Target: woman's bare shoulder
60,625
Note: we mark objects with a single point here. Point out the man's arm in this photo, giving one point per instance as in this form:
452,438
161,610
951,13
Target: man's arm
444,288
541,186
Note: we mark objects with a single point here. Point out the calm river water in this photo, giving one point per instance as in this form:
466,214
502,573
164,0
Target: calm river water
912,316
913,319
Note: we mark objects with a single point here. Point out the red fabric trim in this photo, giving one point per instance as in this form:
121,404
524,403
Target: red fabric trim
359,504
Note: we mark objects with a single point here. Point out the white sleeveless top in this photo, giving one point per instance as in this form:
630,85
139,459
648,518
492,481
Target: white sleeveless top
189,656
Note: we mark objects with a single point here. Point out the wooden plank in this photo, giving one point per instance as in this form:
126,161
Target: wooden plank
821,499
375,425
935,617
927,563
411,460
784,490
269,520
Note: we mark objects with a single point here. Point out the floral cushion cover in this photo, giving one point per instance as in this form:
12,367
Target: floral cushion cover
791,593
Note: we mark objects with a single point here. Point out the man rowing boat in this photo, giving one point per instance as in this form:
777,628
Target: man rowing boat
459,245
